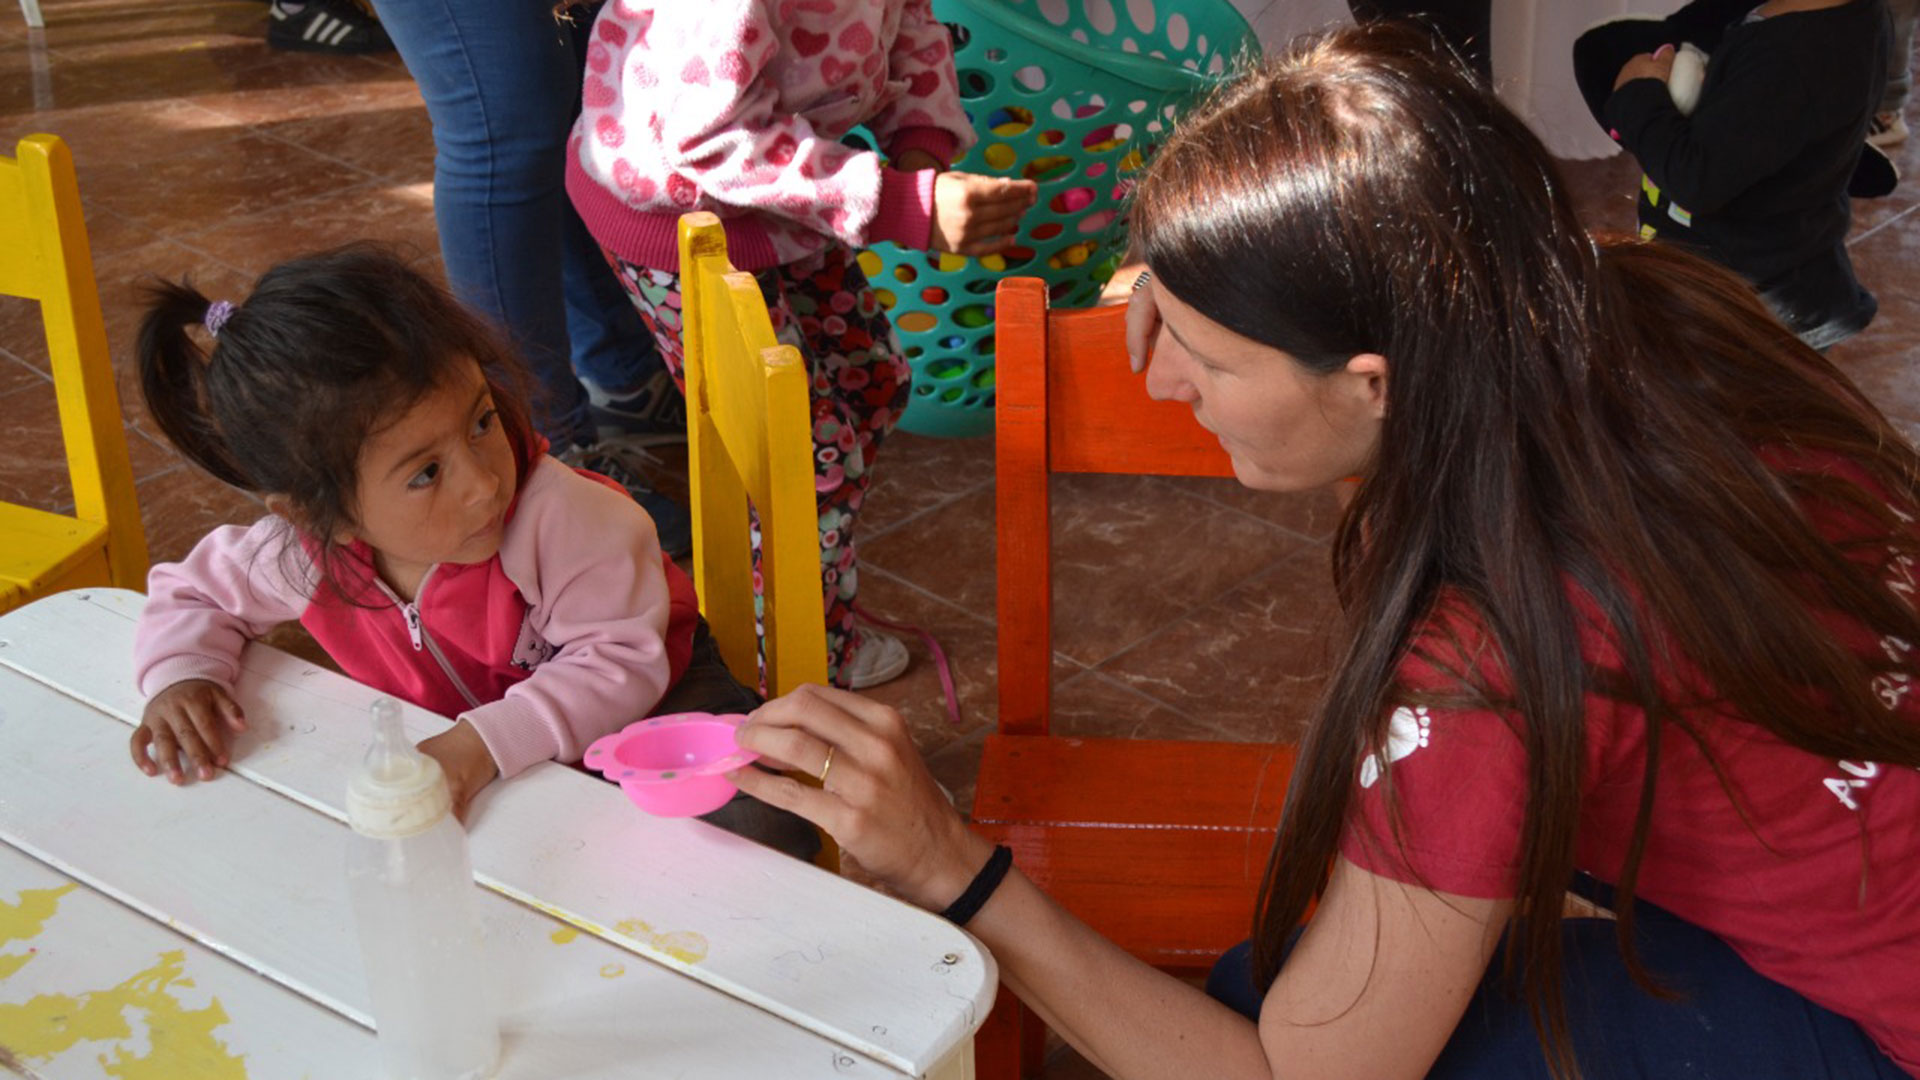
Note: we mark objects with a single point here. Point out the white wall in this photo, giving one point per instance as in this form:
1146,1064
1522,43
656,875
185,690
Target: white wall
1532,56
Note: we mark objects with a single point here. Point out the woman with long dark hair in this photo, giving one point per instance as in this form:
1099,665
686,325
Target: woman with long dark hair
1615,774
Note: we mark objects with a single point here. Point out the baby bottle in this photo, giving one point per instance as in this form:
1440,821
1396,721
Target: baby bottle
415,906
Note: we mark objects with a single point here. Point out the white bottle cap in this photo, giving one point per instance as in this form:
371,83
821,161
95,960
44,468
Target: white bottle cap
398,791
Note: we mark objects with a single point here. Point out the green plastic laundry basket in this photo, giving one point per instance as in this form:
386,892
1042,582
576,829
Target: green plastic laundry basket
1073,94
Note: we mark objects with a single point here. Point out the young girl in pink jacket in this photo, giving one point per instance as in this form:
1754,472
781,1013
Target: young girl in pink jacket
739,107
416,528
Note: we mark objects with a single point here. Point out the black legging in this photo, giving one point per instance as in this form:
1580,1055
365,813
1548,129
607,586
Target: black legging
1467,25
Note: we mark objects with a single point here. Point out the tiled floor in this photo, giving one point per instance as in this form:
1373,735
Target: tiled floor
1187,609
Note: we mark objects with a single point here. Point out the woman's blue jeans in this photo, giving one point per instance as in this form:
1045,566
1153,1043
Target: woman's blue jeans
501,79
1728,1021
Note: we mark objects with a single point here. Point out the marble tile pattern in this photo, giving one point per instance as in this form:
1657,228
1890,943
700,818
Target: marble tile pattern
203,153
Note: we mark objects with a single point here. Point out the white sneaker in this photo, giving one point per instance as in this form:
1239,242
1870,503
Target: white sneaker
1887,130
878,657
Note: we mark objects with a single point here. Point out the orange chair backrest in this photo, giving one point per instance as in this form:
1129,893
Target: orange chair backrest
1064,401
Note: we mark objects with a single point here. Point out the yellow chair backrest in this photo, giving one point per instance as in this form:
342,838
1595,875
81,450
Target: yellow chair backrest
749,438
44,257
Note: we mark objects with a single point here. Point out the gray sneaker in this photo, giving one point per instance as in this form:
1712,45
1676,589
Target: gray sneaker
653,415
877,657
626,466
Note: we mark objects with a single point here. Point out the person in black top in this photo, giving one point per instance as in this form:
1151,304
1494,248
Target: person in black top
1756,176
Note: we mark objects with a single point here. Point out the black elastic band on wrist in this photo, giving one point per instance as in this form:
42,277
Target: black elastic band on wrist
981,887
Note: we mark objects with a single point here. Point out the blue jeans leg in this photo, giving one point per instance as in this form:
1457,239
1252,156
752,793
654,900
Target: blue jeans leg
611,346
501,84
1728,1023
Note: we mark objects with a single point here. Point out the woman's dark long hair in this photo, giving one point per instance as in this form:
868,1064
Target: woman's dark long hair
1565,415
327,347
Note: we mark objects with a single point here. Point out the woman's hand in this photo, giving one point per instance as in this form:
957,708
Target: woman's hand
1119,287
978,215
878,800
191,717
1143,321
464,757
1657,64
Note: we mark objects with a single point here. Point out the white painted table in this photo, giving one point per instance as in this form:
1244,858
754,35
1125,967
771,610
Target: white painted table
148,931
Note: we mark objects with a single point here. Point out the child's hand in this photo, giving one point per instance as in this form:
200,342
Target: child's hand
464,757
191,717
1657,64
978,215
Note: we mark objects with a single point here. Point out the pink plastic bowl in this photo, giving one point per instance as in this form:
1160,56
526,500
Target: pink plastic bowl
674,765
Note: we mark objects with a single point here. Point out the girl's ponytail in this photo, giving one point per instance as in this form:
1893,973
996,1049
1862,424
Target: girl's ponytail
173,378
326,349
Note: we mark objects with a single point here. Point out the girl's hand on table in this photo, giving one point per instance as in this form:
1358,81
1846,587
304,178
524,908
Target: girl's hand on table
878,801
191,718
465,759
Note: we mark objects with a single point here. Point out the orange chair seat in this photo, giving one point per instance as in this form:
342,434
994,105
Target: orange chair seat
1159,844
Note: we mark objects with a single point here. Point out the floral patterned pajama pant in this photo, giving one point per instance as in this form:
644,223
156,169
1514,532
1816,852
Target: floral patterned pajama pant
824,307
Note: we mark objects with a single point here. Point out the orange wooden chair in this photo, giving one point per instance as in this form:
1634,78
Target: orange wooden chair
44,257
1158,844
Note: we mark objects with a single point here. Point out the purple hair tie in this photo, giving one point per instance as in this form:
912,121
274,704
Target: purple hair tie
218,313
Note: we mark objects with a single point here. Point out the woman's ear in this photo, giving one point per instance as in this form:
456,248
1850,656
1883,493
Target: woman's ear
1370,381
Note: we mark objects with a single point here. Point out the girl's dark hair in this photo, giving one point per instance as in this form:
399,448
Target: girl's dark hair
1564,414
326,348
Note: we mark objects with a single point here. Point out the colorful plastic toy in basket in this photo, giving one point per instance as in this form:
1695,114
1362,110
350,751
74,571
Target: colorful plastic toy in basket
1073,94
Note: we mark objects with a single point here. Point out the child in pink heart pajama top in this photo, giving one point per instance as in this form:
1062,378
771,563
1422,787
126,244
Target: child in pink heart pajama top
738,107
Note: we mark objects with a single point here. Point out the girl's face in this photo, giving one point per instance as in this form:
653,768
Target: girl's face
435,482
1286,428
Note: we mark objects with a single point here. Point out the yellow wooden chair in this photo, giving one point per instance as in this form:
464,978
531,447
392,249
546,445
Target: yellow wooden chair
44,256
746,400
750,440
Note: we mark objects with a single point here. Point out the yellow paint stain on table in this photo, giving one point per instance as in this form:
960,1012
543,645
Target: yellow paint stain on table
23,921
685,946
180,1040
612,971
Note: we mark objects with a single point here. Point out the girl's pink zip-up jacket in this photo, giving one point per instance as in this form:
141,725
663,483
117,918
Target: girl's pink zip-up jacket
575,628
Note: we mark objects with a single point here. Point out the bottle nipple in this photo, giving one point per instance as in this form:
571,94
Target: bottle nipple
398,791
389,759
